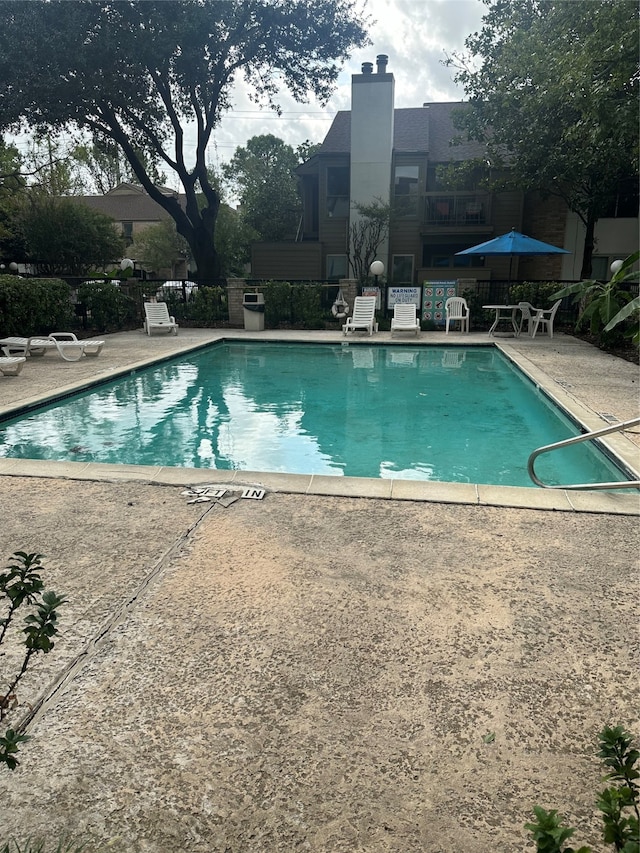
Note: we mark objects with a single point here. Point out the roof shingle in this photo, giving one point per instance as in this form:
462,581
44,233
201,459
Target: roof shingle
428,129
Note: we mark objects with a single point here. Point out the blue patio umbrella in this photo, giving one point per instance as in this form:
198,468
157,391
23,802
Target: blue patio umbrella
514,243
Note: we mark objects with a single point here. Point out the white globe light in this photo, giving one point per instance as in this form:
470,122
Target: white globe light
376,268
13,266
126,264
615,266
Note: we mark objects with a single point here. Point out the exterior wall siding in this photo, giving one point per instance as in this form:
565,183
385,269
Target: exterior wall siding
296,261
547,219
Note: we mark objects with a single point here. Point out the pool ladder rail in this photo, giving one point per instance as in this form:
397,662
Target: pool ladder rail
588,436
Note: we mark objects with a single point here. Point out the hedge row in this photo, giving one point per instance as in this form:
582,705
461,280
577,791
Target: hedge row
34,306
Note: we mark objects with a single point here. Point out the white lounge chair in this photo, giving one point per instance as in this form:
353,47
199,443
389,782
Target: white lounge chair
71,349
457,310
36,345
11,365
157,318
404,319
544,319
66,343
363,317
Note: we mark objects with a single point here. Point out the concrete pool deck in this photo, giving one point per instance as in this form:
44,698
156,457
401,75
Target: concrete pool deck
319,672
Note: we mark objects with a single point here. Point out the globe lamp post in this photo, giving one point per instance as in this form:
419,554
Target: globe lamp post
376,269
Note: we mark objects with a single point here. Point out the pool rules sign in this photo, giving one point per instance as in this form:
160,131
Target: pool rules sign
434,295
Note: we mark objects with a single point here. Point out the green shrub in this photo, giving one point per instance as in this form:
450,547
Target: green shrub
298,305
206,307
22,588
538,293
384,323
477,315
610,309
306,306
277,298
618,803
108,308
34,306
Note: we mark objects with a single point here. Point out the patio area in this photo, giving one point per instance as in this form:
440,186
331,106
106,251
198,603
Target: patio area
331,668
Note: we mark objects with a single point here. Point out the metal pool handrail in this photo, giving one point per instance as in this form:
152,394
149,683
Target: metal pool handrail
589,436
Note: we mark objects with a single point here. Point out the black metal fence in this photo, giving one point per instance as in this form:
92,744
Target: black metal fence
99,306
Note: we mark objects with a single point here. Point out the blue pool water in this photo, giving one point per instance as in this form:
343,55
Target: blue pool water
425,413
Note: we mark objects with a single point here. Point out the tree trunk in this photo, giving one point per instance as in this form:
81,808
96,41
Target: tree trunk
204,253
589,242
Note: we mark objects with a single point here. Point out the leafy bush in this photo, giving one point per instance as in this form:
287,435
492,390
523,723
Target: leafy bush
293,304
477,315
538,293
108,308
619,803
277,298
306,307
610,309
206,307
21,586
34,306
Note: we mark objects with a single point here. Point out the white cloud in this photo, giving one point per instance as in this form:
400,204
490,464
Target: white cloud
416,35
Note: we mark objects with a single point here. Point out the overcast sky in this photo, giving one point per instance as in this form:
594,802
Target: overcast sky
416,35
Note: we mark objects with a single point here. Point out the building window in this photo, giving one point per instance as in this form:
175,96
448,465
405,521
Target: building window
624,202
127,232
445,177
336,267
405,190
442,256
402,269
338,191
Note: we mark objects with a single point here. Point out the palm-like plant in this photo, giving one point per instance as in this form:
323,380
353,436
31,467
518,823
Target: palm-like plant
607,305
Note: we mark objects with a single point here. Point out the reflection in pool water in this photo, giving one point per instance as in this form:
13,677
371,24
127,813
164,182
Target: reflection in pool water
427,413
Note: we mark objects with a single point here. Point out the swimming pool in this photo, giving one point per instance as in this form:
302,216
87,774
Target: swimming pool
408,412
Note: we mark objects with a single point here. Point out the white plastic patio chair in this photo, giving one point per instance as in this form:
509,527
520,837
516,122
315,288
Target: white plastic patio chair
363,317
457,310
404,319
527,312
545,319
157,318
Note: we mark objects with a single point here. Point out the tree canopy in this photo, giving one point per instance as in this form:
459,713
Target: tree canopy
263,175
63,236
12,185
145,75
553,89
156,247
102,166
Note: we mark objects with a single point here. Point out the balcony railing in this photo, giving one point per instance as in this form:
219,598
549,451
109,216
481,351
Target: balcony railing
457,209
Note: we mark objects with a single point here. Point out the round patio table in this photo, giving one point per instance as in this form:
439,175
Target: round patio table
504,312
